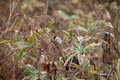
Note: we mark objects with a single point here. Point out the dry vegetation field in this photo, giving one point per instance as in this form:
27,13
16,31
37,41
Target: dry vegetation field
89,28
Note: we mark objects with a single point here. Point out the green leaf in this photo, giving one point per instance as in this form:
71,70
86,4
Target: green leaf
79,1
46,29
26,72
74,48
65,32
17,37
91,27
74,40
30,40
21,53
93,71
91,67
41,32
63,14
66,37
105,5
61,59
30,68
81,47
35,77
113,61
6,41
74,65
86,69
16,57
82,28
42,77
91,46
72,17
27,77
21,45
37,32
102,26
88,50
88,38
79,38
69,57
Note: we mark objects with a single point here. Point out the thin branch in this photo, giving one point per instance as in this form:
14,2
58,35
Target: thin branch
46,13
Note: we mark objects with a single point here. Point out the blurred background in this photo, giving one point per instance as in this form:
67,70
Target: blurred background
91,28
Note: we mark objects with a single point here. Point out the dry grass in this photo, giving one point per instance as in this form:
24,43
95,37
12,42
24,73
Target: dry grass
90,28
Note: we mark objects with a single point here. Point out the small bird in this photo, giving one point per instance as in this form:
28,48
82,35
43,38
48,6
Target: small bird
59,41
